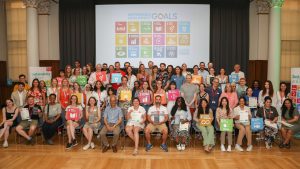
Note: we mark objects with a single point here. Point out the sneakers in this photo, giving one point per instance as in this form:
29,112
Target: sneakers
178,147
69,146
267,145
149,147
182,147
114,148
239,148
92,145
86,147
74,143
30,141
164,147
223,147
5,144
249,148
135,152
229,148
105,148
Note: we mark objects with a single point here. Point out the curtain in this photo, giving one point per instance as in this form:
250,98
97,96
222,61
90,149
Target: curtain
77,31
229,34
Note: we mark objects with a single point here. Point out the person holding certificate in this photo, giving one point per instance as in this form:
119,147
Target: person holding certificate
157,117
172,95
251,101
180,122
73,117
203,118
124,95
30,115
136,117
78,92
100,94
145,96
242,116
270,116
224,112
93,117
290,121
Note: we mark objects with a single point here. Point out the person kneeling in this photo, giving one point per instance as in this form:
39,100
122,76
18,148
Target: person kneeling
136,121
113,117
180,122
30,115
93,117
157,117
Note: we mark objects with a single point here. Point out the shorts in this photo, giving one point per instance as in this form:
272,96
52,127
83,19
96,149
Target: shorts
158,128
26,123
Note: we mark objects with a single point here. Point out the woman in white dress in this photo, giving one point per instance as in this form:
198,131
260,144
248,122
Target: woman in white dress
136,117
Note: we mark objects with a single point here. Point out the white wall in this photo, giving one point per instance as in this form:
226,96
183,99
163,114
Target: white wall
49,34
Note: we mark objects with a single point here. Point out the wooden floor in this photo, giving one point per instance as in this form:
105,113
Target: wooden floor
42,156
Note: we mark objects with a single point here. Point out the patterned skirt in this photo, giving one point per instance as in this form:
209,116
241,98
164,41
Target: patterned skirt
175,132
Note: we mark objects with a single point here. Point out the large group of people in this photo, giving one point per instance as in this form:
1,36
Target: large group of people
158,100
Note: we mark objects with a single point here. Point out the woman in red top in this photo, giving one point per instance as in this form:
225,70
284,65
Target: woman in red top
64,94
36,91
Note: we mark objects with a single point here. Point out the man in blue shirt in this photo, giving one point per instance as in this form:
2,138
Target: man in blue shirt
214,94
113,118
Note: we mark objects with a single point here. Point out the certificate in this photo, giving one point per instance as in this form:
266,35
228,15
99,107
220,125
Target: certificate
144,98
234,78
173,94
205,120
116,77
136,116
197,79
101,76
59,80
25,114
91,118
244,117
184,127
73,114
125,95
253,102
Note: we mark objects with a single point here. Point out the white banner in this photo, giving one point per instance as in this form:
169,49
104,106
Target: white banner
169,33
295,86
41,73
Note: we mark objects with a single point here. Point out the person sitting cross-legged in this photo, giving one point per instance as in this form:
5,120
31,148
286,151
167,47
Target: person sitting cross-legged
157,117
30,116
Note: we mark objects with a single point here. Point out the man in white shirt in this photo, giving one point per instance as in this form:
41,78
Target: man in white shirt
157,117
237,68
202,70
19,96
93,76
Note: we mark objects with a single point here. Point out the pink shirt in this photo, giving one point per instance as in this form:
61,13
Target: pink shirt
232,98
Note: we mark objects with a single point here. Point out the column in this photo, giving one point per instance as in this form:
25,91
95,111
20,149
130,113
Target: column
32,33
44,28
275,42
